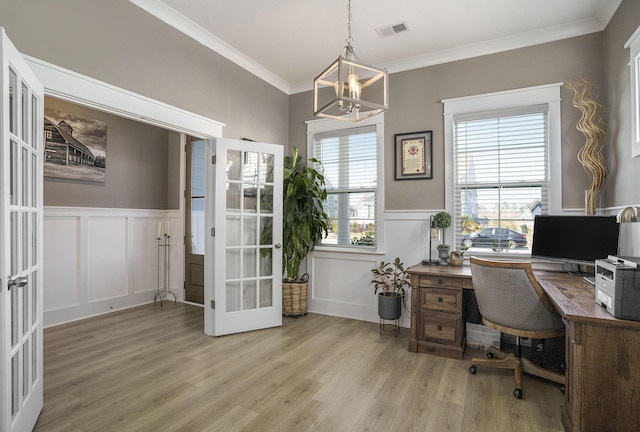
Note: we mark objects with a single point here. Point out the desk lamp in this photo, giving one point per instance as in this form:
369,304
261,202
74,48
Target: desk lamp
433,234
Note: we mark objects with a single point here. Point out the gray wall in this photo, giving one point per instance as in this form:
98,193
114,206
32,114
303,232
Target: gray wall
119,43
137,167
622,187
415,105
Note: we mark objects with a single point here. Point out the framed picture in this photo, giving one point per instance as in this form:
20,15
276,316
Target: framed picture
414,155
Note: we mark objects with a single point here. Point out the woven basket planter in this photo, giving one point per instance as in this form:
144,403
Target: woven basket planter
294,298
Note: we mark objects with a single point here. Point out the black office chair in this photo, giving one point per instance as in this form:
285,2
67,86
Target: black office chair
511,300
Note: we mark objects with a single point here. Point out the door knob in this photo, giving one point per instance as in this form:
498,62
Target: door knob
18,282
277,245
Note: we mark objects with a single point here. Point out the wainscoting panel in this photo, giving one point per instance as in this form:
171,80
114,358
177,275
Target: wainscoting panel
107,258
339,281
145,254
61,266
100,260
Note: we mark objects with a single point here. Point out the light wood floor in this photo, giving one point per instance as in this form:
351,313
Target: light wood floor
153,369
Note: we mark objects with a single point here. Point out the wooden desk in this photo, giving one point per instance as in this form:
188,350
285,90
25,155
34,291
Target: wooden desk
602,352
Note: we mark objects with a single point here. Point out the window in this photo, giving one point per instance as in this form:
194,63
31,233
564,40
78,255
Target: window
350,157
500,176
634,63
502,158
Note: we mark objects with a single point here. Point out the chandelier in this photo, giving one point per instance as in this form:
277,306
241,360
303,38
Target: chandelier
349,90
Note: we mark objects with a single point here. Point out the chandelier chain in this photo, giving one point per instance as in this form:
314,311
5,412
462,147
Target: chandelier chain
349,38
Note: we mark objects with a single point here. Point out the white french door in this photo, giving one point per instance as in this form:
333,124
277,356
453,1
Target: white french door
243,255
21,128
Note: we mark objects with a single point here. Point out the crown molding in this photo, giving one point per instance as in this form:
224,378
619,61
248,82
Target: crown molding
598,23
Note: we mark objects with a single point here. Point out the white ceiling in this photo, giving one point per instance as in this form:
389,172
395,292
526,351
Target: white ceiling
288,42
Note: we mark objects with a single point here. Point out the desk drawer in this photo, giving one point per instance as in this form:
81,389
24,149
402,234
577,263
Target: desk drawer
441,299
440,281
443,329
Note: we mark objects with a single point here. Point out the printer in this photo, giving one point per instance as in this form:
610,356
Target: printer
618,286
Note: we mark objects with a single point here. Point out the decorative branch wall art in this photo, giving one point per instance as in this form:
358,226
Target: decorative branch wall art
592,127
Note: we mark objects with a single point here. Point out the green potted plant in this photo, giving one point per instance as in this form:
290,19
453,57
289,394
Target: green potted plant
390,280
304,225
443,221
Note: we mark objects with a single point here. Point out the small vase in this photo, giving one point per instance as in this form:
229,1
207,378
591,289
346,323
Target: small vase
443,254
456,258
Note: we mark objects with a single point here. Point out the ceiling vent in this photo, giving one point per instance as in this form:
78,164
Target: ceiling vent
392,29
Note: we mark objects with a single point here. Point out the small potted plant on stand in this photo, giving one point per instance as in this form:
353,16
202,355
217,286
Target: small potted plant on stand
390,280
443,221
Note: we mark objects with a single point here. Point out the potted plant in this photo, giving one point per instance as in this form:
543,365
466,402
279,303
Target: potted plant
443,221
389,280
304,225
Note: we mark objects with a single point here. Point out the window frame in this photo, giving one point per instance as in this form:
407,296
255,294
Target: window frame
330,125
499,101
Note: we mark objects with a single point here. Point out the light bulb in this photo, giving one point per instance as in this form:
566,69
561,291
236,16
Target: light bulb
354,86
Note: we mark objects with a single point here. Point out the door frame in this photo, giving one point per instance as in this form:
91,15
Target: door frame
188,228
82,90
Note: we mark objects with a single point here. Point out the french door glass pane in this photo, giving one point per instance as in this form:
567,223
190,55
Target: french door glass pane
249,295
266,230
15,233
266,266
266,168
15,384
233,230
26,307
13,101
25,113
34,357
13,173
250,197
266,293
34,123
34,180
26,363
266,199
233,197
25,177
25,241
234,165
233,263
15,310
33,286
250,169
250,233
34,238
233,296
249,263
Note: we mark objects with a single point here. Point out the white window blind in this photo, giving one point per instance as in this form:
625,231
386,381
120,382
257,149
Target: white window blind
350,159
501,173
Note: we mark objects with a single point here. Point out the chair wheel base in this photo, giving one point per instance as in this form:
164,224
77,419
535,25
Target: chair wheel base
473,370
517,393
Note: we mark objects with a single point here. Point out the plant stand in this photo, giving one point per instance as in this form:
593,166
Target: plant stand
389,309
394,326
164,269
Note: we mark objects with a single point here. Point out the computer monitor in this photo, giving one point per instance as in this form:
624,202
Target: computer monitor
575,239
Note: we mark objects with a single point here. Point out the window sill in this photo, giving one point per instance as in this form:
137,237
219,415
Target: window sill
348,250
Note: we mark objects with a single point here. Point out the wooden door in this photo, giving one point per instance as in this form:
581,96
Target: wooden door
194,221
